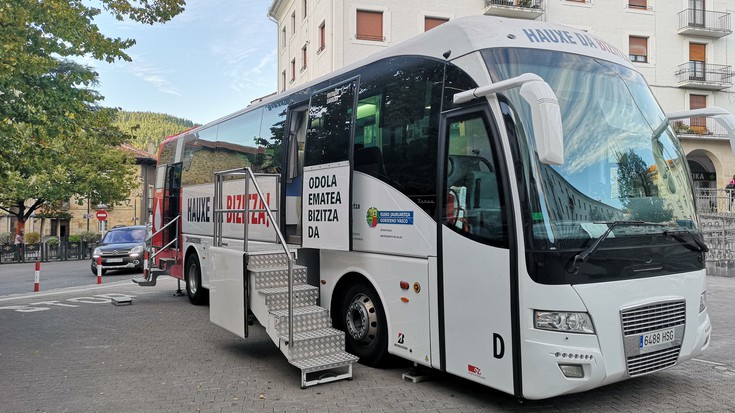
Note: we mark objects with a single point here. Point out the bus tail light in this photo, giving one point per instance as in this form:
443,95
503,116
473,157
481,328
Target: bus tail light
570,322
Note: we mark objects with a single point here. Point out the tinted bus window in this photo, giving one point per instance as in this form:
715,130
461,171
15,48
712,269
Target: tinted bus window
396,126
199,163
271,135
330,125
237,142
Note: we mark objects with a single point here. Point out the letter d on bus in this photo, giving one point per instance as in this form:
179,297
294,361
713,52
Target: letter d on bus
498,346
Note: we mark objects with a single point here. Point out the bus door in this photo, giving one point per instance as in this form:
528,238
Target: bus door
327,174
292,174
171,202
475,256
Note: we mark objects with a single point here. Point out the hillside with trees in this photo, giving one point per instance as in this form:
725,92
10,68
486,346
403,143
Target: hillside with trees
150,128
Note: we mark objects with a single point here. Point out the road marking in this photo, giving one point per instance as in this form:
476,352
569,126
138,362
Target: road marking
73,290
710,362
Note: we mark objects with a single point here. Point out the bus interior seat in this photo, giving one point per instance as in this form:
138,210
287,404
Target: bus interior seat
370,161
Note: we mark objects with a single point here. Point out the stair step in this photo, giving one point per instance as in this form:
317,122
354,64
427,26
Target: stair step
276,298
304,319
273,259
314,343
144,282
271,277
330,361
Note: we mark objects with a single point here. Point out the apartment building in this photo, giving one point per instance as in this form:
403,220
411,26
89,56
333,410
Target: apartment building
684,48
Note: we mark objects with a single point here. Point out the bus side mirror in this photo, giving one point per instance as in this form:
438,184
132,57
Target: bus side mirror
546,118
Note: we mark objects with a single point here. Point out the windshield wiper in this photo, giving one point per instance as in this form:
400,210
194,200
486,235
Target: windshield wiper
572,267
699,246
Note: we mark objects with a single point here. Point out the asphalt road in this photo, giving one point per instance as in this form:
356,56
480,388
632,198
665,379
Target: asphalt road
19,278
70,350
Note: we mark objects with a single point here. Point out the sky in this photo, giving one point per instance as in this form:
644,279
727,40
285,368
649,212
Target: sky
209,61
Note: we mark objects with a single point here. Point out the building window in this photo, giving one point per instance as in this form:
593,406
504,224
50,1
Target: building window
283,37
369,25
698,125
293,23
305,8
638,4
303,58
283,81
322,37
431,22
638,49
293,70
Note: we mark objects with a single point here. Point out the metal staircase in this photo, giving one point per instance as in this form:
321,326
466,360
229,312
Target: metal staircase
283,302
150,272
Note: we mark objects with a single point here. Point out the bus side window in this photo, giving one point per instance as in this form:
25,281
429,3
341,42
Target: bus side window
474,200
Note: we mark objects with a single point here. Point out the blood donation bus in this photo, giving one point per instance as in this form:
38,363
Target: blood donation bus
501,200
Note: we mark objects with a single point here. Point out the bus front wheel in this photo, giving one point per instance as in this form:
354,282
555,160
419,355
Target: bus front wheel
194,289
363,320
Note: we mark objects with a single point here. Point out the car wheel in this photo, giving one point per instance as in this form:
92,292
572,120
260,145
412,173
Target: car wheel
194,290
363,320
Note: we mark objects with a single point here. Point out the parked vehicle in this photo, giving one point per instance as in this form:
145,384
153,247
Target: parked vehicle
121,248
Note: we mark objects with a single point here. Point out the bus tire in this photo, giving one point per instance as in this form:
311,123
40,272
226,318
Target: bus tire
193,275
363,320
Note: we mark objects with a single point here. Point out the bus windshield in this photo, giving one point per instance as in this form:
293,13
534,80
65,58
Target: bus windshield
622,161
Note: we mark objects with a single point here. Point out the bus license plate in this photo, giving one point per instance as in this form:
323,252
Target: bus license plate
109,260
656,338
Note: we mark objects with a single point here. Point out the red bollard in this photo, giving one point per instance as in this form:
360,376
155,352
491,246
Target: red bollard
99,270
38,276
145,264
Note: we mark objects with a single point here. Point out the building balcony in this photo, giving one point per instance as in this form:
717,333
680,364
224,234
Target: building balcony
705,76
706,23
517,9
699,128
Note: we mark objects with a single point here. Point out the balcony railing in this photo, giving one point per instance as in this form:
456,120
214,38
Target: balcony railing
702,75
699,128
520,9
704,23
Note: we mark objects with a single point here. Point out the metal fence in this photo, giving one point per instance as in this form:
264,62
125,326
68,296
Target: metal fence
716,209
63,251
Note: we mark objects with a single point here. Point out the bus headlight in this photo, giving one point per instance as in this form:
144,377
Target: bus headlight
703,301
570,322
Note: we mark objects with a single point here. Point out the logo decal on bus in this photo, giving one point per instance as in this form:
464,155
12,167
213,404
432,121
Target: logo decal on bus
375,217
475,371
372,217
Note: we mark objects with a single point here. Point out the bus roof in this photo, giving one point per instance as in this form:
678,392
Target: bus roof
465,35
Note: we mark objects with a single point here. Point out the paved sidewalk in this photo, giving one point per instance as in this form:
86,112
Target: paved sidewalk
72,351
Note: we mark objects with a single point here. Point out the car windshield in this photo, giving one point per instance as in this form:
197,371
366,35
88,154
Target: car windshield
125,235
622,161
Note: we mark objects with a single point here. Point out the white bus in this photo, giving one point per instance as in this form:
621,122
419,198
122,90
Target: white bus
498,199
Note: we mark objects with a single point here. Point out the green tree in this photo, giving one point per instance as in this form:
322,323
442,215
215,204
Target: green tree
55,142
149,129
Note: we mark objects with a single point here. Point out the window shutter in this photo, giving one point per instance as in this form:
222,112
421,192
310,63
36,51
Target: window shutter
638,46
431,22
369,25
697,52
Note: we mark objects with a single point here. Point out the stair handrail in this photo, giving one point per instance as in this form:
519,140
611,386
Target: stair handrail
249,172
149,240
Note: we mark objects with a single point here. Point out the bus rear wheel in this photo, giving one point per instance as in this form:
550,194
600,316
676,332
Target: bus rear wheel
363,320
194,289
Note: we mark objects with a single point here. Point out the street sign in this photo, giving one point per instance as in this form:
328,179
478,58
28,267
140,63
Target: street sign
101,215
